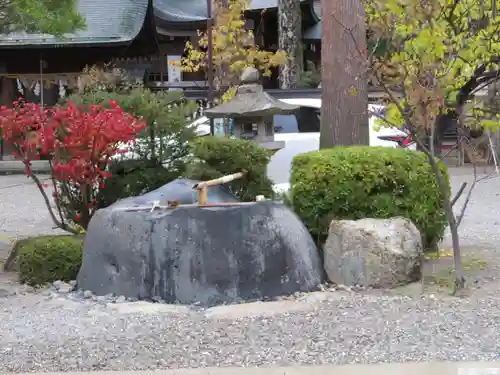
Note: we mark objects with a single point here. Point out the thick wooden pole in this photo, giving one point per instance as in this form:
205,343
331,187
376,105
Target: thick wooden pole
344,98
210,62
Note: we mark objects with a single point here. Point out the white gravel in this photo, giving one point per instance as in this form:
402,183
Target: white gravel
40,332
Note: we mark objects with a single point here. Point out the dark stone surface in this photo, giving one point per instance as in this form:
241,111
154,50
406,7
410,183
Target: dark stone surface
180,190
199,255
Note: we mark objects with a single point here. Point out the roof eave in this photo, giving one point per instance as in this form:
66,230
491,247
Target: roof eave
53,44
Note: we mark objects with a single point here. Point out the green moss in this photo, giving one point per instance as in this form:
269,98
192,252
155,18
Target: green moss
445,276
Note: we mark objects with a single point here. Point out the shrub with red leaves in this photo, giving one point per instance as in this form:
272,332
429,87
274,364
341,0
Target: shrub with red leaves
79,141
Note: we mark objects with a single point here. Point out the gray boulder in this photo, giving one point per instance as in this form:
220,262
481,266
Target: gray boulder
381,253
199,255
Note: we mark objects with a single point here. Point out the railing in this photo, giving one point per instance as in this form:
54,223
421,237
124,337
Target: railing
198,90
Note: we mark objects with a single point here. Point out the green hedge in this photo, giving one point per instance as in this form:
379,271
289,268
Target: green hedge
219,156
46,259
375,182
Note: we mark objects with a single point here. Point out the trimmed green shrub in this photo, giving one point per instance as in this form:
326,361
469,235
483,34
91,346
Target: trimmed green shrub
46,259
215,157
375,182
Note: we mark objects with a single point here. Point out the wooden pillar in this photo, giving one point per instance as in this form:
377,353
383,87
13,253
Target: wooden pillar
7,96
344,107
290,41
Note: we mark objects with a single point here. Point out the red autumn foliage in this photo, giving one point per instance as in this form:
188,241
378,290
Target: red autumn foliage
79,142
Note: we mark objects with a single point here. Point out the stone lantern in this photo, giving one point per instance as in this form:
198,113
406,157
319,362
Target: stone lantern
252,110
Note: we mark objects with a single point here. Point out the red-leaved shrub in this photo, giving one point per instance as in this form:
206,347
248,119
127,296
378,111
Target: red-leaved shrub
79,143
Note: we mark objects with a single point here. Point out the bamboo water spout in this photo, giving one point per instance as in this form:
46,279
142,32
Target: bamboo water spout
202,186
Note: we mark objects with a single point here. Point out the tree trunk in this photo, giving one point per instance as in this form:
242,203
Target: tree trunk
344,109
290,41
452,221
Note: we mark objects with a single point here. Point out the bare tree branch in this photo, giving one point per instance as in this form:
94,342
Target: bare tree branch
459,193
58,224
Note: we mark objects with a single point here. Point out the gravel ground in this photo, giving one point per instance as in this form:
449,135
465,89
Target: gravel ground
40,332
38,335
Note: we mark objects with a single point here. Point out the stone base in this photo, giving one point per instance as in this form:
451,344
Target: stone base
206,256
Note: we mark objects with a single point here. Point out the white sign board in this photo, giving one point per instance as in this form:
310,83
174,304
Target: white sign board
219,127
174,69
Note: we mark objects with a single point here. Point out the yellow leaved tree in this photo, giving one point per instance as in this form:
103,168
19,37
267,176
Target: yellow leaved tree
431,57
234,48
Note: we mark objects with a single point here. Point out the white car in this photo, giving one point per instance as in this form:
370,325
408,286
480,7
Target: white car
301,134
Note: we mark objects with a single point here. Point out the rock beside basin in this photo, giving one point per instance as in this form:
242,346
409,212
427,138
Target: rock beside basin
380,253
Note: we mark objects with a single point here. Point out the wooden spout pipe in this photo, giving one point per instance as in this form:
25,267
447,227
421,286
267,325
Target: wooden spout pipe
202,186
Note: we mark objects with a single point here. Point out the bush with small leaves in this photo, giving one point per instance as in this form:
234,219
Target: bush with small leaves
215,157
368,182
45,259
80,142
160,151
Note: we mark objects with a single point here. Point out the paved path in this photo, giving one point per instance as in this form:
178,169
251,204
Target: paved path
482,217
17,167
22,211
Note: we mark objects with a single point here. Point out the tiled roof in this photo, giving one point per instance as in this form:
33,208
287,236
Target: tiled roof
180,10
196,10
108,21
